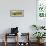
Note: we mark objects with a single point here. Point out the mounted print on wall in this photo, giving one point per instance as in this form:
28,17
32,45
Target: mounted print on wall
41,8
17,13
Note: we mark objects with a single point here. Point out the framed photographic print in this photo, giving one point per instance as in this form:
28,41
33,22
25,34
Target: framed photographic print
41,8
17,13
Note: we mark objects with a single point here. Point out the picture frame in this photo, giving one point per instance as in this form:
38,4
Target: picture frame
40,12
16,13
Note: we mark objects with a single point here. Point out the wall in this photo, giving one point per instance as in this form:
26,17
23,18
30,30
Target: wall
24,23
